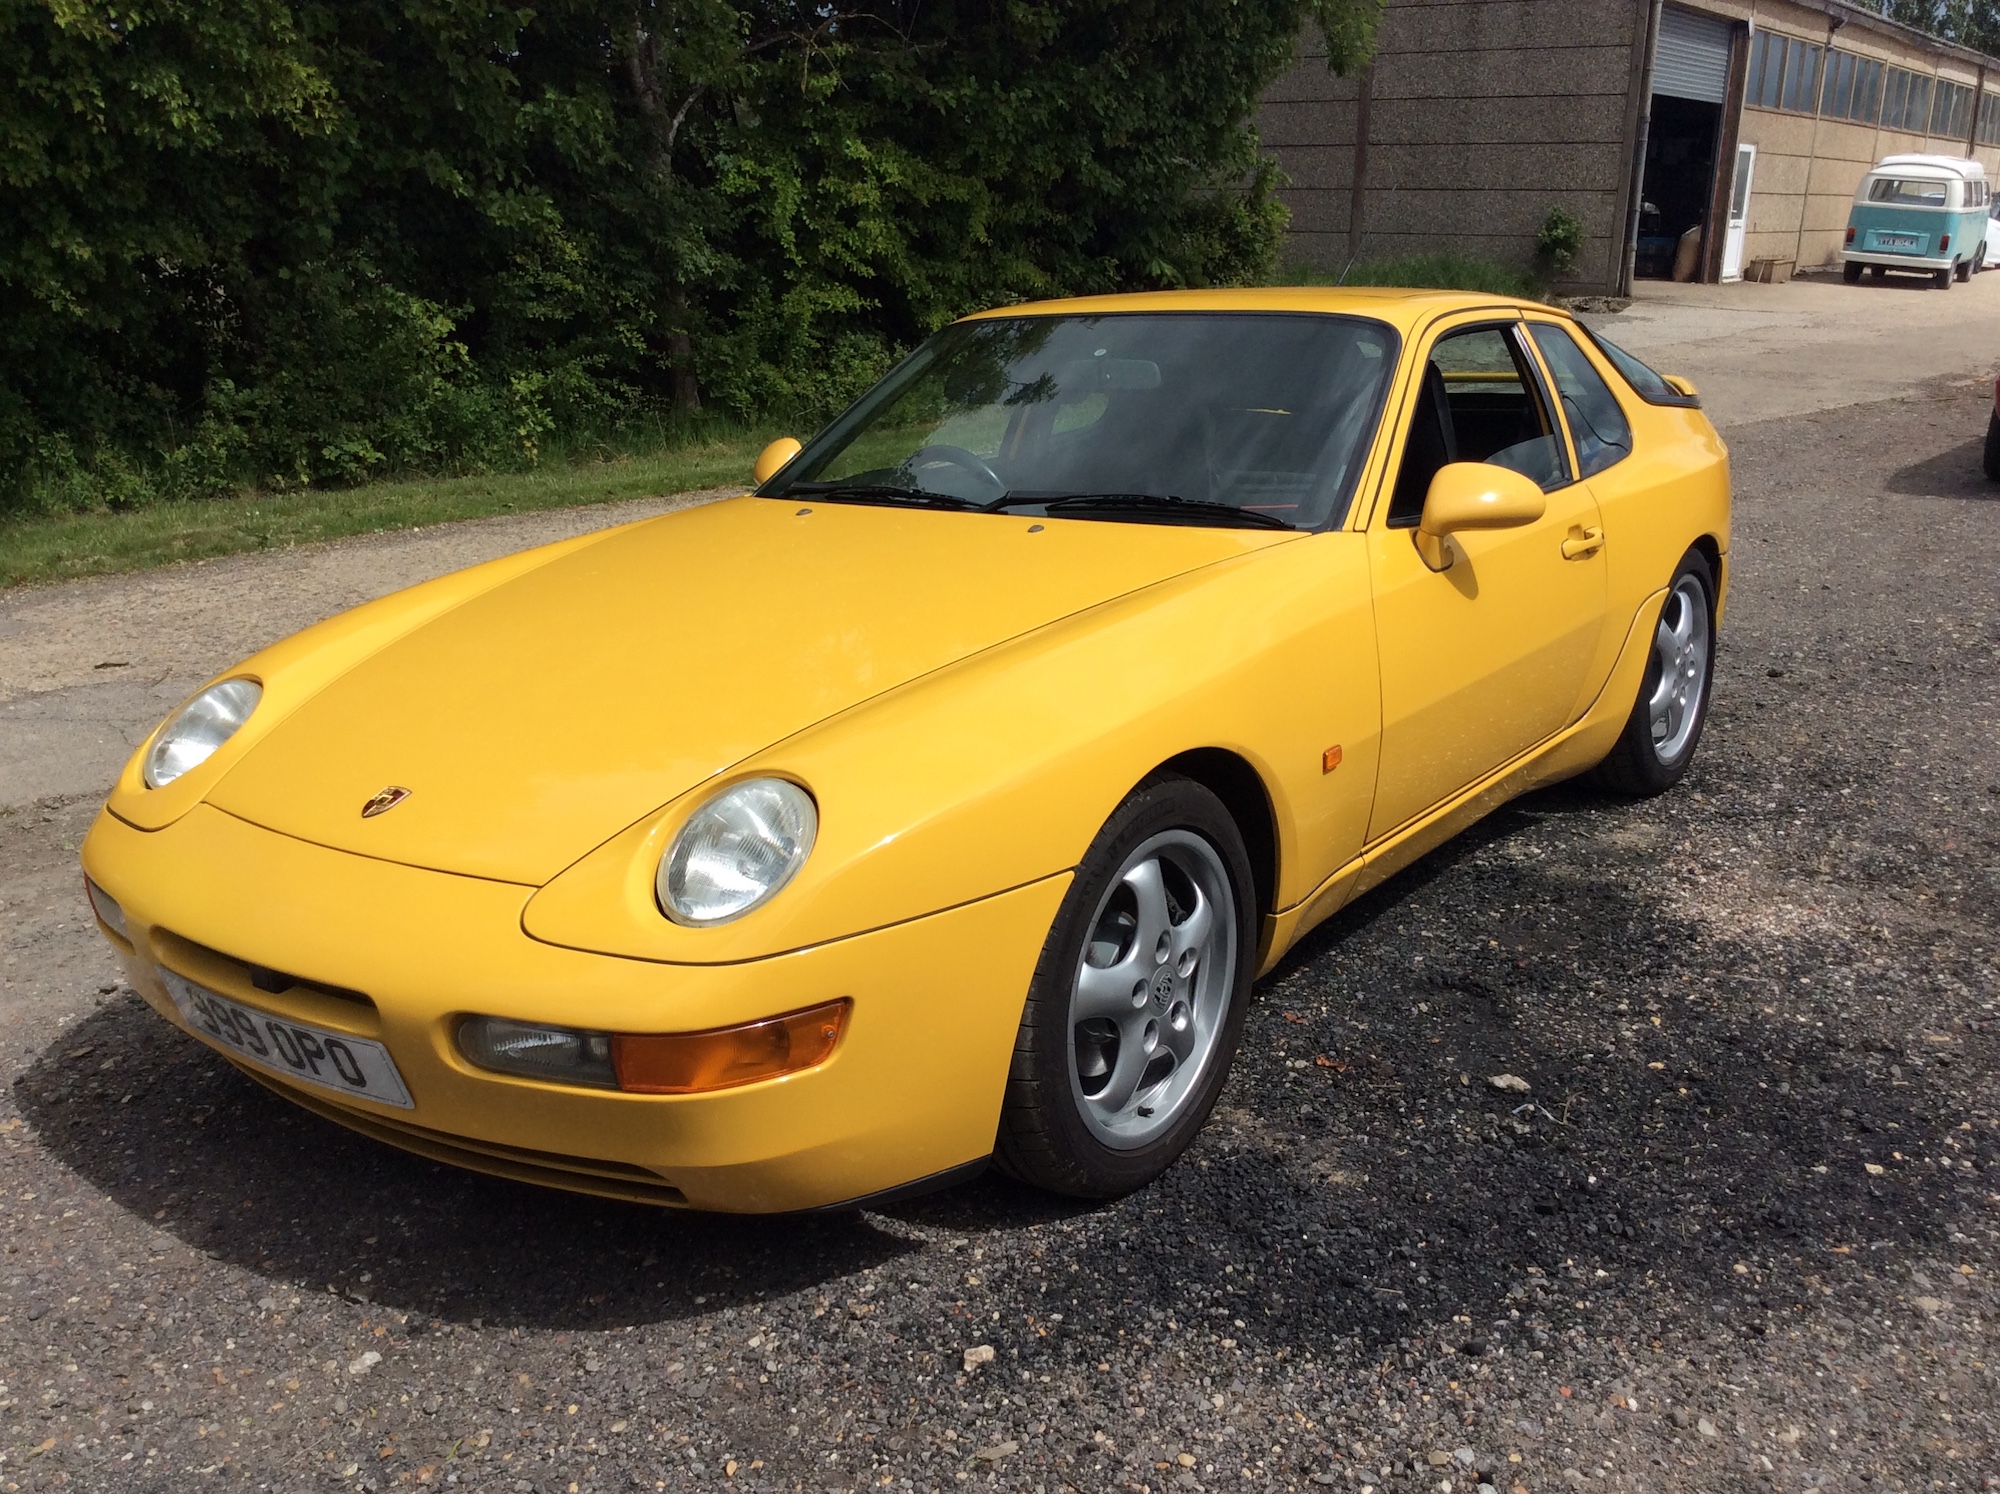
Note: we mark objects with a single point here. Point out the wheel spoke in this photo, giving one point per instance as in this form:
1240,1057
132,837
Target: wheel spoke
1126,1071
1149,889
1192,932
1683,629
1106,991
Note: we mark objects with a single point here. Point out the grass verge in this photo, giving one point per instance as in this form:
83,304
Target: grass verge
1427,272
55,547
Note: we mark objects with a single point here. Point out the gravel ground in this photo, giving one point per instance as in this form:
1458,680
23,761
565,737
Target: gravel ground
1736,1233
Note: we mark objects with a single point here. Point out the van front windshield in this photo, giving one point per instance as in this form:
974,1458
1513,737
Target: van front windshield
1234,418
1903,191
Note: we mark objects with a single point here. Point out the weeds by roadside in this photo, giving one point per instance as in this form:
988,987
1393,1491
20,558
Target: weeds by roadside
61,545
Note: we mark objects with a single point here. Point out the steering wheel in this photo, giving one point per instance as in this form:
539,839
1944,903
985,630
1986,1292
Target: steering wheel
959,457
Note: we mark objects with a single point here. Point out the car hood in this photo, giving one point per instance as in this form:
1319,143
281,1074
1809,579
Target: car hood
536,720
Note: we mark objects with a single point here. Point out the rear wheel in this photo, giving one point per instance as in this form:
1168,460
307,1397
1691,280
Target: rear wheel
1992,461
1942,279
1877,272
1664,728
1851,272
1963,269
1138,1000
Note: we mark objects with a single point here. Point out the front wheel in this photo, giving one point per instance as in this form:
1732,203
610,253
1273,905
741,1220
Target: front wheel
1661,734
1138,1000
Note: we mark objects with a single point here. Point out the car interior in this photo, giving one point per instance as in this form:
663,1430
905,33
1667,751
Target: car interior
1480,401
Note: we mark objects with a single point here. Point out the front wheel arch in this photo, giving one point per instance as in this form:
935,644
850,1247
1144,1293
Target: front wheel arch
1233,780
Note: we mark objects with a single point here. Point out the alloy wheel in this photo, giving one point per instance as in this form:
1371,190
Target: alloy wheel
1680,648
1151,993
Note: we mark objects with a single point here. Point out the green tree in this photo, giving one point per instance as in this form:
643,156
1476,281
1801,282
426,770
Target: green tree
307,240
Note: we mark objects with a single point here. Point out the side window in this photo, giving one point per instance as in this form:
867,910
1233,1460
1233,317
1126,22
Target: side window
1479,402
1601,432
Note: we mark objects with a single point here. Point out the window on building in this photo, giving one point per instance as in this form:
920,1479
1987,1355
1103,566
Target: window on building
1868,91
1951,110
1784,73
1917,109
1989,119
1853,88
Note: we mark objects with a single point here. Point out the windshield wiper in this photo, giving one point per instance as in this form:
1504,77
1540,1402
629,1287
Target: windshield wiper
876,492
1166,504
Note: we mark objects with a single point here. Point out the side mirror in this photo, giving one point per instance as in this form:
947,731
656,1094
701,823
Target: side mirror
1681,386
773,457
1473,495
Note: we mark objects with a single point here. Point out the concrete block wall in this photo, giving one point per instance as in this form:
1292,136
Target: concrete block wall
1486,113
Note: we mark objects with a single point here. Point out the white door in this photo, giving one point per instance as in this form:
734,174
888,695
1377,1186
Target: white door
1739,213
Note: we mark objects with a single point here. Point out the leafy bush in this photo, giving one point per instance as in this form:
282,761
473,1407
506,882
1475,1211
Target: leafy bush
314,241
1558,243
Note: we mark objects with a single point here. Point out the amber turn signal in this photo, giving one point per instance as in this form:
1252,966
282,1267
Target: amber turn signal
684,1063
1330,759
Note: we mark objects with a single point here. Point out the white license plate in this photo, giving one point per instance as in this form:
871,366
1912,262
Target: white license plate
1896,240
306,1055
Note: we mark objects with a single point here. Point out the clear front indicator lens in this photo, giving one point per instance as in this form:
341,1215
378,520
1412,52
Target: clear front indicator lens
560,1054
107,910
736,851
658,1063
204,724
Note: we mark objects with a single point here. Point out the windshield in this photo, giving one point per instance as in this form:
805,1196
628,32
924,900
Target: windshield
1179,417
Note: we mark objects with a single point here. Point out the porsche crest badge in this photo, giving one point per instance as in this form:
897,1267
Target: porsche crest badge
383,801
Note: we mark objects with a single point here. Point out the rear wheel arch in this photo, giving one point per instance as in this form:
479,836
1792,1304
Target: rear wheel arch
1241,789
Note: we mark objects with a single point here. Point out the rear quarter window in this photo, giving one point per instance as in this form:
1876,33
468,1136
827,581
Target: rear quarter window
1597,424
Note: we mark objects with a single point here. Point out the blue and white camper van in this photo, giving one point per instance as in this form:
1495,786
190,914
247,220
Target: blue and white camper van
1919,213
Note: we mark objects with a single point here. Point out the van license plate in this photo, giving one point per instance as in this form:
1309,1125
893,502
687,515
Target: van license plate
1896,240
292,1050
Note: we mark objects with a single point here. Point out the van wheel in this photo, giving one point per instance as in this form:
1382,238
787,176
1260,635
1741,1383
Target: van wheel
1942,279
1992,461
1877,273
1851,272
1963,269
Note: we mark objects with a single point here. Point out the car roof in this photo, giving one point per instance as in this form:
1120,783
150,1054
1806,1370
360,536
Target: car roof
1943,165
1404,309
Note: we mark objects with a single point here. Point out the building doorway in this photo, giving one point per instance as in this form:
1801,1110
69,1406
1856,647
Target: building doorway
1690,81
1680,176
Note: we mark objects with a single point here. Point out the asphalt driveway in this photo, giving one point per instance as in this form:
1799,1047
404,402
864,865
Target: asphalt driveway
1738,1232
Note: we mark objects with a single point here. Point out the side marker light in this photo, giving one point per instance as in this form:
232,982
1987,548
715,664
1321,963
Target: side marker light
1330,759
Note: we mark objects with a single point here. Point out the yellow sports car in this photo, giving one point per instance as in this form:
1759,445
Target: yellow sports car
936,804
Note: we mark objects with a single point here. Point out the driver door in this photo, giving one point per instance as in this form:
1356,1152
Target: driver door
1487,658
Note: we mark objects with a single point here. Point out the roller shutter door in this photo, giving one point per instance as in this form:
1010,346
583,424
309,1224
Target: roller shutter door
1693,57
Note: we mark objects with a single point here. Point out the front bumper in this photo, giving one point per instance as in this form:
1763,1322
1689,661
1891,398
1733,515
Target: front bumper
913,1090
1926,262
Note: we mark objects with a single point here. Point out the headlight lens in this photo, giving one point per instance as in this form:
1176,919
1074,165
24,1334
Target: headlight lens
204,724
736,851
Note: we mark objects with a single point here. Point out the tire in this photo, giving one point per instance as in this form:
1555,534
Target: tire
1090,1110
1851,272
1877,273
1963,270
1978,260
1992,455
1660,736
1942,279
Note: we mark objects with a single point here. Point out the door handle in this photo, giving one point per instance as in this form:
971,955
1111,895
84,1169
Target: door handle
1582,542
